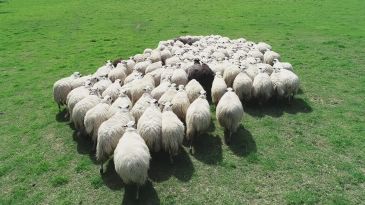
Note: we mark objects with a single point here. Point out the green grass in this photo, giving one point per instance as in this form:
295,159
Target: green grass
307,153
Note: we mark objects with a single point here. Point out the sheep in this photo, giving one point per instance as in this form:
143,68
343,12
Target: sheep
113,90
139,58
229,113
168,95
155,56
95,116
269,57
230,74
130,65
202,73
132,158
104,70
172,61
263,47
78,82
123,99
197,118
285,82
141,105
262,87
252,71
76,95
282,65
81,108
149,126
135,74
242,86
173,131
219,87
153,66
180,103
161,89
137,89
141,66
62,87
256,54
165,54
156,74
193,89
118,73
267,68
102,84
179,77
109,133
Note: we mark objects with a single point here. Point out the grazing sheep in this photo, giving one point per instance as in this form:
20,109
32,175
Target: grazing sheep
242,86
142,104
168,95
262,87
197,118
180,103
202,73
172,131
132,158
179,77
218,88
285,82
81,108
113,90
95,116
282,65
109,133
229,113
269,57
149,126
62,87
230,74
193,89
122,100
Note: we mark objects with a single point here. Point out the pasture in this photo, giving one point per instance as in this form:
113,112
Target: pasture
309,152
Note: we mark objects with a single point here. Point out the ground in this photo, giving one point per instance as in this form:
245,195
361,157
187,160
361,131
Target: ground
306,153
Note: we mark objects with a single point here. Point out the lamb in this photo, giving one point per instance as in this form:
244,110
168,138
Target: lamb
180,103
179,77
142,104
132,158
202,73
149,126
269,57
193,89
262,87
230,74
197,118
242,86
282,65
285,82
219,87
81,108
95,116
168,95
62,87
229,113
109,133
172,131
122,100
113,90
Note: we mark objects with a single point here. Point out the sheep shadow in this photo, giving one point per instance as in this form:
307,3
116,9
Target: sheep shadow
60,116
111,178
147,195
161,169
277,107
242,142
208,148
84,144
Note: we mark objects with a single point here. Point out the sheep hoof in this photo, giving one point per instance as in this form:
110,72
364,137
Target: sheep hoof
101,171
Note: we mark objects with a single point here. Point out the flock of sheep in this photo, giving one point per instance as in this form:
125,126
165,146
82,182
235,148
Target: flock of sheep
155,100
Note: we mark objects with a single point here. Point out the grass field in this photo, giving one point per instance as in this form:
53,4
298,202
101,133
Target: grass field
311,152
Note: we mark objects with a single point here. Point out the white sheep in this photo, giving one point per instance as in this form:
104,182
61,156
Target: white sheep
104,70
262,88
118,72
130,65
180,103
179,77
158,91
263,47
155,56
168,95
230,74
122,100
109,133
242,86
78,82
62,87
219,87
149,126
141,66
229,113
172,131
282,65
197,118
76,95
165,54
193,89
113,90
285,82
95,116
142,104
132,158
153,66
269,57
102,84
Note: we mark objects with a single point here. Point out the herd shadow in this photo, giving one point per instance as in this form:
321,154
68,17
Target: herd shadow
242,142
147,195
277,107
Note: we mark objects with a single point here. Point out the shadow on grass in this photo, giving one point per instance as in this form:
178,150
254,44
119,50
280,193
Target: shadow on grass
111,179
161,169
242,142
147,195
208,148
84,144
60,117
276,108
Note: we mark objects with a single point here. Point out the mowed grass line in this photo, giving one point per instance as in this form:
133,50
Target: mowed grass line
307,153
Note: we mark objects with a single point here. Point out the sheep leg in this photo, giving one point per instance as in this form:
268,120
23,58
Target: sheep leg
59,107
290,99
191,146
137,194
102,167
